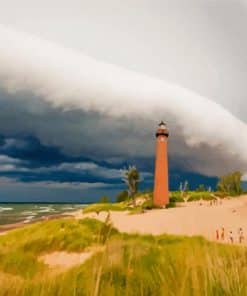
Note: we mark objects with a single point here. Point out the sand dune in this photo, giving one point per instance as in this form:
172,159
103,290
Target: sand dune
187,219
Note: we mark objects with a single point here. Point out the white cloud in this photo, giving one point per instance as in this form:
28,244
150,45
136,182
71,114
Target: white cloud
69,80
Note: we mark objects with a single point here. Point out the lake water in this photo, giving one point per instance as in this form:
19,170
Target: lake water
14,213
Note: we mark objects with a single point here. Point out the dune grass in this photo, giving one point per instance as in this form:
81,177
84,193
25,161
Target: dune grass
19,249
129,264
105,207
175,197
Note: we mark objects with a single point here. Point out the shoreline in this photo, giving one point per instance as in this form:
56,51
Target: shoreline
5,228
188,219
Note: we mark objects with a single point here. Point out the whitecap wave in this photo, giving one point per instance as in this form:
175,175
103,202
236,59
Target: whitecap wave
2,209
28,219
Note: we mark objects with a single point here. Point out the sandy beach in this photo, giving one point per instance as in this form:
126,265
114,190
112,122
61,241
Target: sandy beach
187,219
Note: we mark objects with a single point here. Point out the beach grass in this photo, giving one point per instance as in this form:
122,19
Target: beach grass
19,249
129,264
147,202
106,207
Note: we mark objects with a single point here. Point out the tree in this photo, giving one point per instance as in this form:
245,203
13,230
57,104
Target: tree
231,183
131,177
122,196
201,188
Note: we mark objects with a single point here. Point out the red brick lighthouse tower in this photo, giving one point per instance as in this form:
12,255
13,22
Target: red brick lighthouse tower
161,190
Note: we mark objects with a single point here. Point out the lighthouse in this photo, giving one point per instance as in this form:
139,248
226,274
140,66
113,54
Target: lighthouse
161,187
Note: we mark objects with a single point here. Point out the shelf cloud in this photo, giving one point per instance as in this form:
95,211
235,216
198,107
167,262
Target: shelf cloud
84,106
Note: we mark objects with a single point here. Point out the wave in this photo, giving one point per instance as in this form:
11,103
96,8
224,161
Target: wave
5,209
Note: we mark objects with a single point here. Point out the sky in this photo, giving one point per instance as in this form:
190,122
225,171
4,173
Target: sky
83,85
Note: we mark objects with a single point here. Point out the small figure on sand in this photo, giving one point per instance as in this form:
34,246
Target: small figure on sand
222,233
231,239
217,234
240,235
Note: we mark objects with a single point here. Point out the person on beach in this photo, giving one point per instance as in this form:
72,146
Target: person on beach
240,235
231,237
217,234
222,233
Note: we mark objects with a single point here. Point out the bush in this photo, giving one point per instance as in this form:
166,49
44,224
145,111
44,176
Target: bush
194,196
231,183
221,194
201,188
176,196
171,204
148,205
122,196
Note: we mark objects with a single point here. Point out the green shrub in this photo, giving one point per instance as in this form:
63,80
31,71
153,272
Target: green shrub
231,183
176,196
195,196
122,196
171,204
148,205
221,194
201,188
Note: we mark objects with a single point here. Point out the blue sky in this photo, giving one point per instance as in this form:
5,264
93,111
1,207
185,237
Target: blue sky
82,91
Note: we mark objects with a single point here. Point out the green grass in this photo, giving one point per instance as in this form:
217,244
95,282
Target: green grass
106,207
175,197
130,264
178,196
20,248
204,195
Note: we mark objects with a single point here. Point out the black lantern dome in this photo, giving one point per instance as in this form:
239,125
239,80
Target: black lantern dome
162,130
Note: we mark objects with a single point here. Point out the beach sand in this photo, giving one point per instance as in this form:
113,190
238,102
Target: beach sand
188,219
65,259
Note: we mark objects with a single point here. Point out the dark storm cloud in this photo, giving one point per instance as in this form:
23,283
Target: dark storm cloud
75,136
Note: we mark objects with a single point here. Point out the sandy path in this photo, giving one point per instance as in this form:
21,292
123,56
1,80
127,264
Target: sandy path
64,259
189,219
